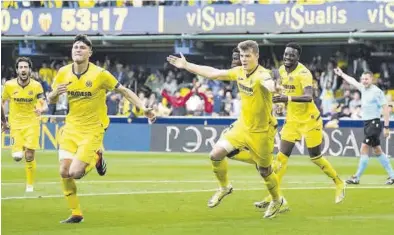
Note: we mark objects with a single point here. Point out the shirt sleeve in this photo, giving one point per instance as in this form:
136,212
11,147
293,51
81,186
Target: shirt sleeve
57,80
40,92
382,98
264,76
305,79
233,74
109,82
5,93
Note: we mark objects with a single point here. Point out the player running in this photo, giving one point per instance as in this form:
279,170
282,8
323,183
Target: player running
302,120
25,96
81,137
372,103
255,129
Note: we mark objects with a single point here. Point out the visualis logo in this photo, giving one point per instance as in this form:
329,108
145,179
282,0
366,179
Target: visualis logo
297,17
208,18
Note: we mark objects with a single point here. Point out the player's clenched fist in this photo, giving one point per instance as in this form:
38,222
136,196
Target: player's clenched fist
150,115
338,72
62,88
179,62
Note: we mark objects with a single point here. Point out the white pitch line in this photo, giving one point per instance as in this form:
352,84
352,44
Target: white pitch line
181,191
162,181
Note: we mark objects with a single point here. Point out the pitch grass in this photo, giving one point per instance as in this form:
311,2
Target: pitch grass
167,194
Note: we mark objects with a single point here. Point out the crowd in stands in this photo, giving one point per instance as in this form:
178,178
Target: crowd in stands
139,3
173,92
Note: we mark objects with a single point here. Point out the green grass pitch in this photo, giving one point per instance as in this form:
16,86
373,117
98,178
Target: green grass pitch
167,194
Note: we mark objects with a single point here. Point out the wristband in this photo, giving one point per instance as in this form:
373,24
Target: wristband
288,98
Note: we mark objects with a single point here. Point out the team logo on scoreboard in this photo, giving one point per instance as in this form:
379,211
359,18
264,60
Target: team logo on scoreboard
88,83
45,20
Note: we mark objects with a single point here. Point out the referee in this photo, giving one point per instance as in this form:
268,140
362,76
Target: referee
372,103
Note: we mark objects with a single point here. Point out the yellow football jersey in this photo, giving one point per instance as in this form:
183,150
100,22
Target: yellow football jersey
294,84
23,101
256,100
86,95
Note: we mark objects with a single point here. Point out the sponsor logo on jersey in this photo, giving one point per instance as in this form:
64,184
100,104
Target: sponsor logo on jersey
23,100
79,93
245,89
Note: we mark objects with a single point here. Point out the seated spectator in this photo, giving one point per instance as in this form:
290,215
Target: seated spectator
345,100
356,101
356,114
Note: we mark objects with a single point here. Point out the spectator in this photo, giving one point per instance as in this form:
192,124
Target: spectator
386,77
236,106
356,101
356,114
217,101
329,75
112,102
170,85
391,111
208,102
155,82
177,102
120,74
152,101
345,113
327,97
345,100
227,105
360,65
46,73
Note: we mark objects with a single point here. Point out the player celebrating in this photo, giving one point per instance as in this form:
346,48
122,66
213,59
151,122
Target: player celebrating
254,129
81,137
302,119
372,102
238,154
24,95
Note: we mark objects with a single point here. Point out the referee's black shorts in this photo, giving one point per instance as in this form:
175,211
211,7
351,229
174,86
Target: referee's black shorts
372,131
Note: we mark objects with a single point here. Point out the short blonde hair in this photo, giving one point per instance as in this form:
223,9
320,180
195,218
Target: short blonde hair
249,44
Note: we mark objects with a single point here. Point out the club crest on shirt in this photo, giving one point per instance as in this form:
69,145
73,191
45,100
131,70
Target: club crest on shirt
291,78
88,83
30,93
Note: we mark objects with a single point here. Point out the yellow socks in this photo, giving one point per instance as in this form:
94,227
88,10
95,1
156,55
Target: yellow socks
89,167
30,168
280,166
244,156
272,184
220,170
70,192
326,168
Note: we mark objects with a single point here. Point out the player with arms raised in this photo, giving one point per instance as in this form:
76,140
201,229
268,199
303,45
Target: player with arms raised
255,129
24,95
302,119
372,103
81,137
